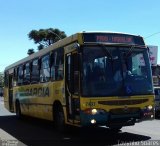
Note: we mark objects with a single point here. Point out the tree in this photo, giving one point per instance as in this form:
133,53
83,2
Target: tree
40,47
46,37
1,79
30,51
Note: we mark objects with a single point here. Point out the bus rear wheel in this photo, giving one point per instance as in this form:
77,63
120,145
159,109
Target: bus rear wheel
59,119
18,110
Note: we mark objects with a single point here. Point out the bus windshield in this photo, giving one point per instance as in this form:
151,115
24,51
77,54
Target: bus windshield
115,71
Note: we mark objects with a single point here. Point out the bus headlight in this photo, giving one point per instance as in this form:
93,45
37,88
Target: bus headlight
150,107
94,111
93,121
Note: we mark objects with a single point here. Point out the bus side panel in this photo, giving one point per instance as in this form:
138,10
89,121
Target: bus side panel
6,98
39,101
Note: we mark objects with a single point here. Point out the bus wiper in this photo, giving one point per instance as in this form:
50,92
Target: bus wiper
106,51
108,54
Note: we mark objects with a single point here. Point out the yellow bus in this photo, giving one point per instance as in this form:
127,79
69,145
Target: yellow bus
72,82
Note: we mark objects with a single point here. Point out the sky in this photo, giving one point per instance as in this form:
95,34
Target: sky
19,17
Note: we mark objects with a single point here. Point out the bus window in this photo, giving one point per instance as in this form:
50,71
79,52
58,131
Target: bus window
15,76
35,72
45,69
53,67
6,79
20,75
57,64
26,73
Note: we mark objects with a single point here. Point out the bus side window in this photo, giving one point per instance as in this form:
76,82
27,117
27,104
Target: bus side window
52,64
27,73
57,64
6,78
15,74
45,69
34,71
20,75
60,63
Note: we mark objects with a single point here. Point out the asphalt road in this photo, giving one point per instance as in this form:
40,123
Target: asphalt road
35,132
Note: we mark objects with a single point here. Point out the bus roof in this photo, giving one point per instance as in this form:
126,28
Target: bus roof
62,43
110,32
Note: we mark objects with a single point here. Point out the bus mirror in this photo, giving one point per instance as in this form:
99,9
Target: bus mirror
77,46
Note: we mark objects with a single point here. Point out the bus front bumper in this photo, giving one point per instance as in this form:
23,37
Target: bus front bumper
110,120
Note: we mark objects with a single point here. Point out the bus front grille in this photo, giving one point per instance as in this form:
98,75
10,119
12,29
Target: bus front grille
123,111
123,102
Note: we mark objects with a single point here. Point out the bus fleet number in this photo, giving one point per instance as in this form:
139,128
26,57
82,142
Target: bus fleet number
90,104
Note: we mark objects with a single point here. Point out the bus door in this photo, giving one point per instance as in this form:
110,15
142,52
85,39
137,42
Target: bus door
10,99
72,87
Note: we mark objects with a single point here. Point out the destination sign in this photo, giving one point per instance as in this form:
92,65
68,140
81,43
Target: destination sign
113,38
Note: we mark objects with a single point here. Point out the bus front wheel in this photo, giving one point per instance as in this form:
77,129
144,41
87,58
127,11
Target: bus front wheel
59,119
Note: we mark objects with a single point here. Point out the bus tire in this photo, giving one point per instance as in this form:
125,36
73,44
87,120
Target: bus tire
18,110
59,119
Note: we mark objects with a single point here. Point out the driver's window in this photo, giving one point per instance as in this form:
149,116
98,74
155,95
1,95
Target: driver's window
137,64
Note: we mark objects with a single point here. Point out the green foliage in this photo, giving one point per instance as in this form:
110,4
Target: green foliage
46,37
30,51
40,47
1,79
